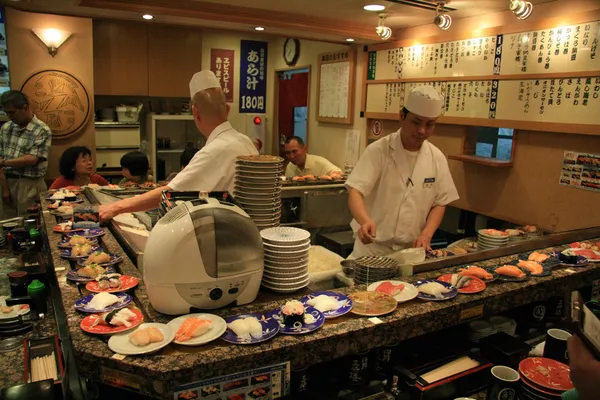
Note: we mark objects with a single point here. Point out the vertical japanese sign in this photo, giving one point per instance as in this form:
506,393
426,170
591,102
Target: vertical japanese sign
4,74
372,65
221,63
253,76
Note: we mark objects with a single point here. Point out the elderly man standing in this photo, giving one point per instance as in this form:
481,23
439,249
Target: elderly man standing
213,167
24,145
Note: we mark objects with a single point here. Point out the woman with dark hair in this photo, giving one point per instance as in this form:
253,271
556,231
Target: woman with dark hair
135,167
77,169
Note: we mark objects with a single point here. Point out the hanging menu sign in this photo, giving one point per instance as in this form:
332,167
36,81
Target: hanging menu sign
253,76
336,86
221,63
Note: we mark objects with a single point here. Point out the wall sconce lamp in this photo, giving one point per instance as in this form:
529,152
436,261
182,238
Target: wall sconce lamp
384,32
52,38
442,19
522,9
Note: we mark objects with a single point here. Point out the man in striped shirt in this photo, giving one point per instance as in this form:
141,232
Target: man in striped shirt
24,145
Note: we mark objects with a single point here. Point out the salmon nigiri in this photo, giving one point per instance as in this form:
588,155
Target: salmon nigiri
476,271
510,270
191,328
532,266
388,288
538,257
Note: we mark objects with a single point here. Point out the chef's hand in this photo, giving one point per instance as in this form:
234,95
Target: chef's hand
423,241
107,212
585,369
367,232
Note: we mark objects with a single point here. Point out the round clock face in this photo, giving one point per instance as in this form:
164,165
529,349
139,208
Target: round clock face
291,50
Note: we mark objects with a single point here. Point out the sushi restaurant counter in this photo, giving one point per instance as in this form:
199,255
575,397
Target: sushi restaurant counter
156,375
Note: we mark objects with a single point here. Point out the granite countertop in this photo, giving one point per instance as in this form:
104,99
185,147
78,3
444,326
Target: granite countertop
156,375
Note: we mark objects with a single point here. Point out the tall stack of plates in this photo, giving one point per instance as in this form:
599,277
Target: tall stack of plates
374,268
286,258
258,188
488,239
479,329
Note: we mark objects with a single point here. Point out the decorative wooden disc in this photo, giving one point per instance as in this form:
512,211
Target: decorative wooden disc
60,100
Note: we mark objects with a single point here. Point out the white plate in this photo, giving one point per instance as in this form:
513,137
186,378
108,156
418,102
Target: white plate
120,343
274,275
286,281
410,291
286,264
19,309
275,247
492,241
284,290
285,235
286,254
219,326
592,260
286,286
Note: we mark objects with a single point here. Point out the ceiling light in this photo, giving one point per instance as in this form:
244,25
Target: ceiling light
259,28
147,16
374,7
383,31
442,19
521,9
349,40
52,38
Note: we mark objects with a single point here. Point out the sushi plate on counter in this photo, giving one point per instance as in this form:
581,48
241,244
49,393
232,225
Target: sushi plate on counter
90,325
87,233
495,276
120,343
270,328
407,291
476,285
344,302
73,276
581,261
591,255
319,320
114,259
547,373
372,304
546,270
64,243
218,327
127,282
508,278
444,296
285,235
82,303
66,253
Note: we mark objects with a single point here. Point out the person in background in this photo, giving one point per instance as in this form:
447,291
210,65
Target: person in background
301,163
400,187
585,370
24,145
76,168
213,167
184,160
135,167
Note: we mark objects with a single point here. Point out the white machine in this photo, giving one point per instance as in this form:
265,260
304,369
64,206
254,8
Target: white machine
203,253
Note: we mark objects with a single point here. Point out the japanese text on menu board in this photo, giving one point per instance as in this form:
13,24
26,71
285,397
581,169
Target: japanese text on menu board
4,76
221,63
581,170
253,76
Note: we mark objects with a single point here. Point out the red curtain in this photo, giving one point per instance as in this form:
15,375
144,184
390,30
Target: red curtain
293,92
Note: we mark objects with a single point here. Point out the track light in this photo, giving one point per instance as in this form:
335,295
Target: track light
442,20
521,9
383,31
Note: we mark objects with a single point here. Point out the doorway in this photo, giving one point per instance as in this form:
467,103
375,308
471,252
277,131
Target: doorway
292,91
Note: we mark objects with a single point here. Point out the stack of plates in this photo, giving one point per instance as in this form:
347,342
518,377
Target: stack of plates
286,258
373,268
480,329
487,240
503,324
543,378
258,188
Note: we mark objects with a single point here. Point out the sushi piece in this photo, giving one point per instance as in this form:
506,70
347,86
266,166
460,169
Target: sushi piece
108,281
459,281
439,253
90,271
477,272
81,250
78,240
568,256
98,257
387,288
324,303
116,318
434,289
6,309
531,266
145,336
191,328
298,179
538,257
589,254
292,312
510,270
325,178
246,328
102,300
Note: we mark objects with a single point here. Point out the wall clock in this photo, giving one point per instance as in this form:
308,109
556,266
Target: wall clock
291,51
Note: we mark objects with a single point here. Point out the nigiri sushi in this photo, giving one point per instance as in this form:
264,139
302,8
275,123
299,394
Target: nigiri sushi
324,303
116,318
191,328
460,281
90,271
102,300
107,281
145,336
80,250
589,254
434,289
245,328
476,271
75,240
388,288
510,270
292,312
531,266
538,257
98,257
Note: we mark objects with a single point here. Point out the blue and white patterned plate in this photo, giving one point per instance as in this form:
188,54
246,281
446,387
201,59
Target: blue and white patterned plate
581,261
72,275
269,324
64,243
303,328
87,233
445,296
344,301
82,303
114,260
66,253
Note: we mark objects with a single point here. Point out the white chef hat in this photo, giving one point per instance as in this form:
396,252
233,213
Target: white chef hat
203,80
424,101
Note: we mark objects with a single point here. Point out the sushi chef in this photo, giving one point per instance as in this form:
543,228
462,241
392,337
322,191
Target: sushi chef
213,167
400,187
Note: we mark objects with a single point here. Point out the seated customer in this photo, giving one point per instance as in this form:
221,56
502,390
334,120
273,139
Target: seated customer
77,169
302,163
135,167
184,160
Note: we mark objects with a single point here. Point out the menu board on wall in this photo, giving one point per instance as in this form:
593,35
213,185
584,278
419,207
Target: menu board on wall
4,74
581,170
336,87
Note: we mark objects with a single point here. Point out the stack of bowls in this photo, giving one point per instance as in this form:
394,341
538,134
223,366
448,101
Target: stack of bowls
480,329
258,188
491,239
286,258
374,268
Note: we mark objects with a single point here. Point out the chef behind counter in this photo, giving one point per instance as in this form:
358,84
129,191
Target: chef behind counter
301,163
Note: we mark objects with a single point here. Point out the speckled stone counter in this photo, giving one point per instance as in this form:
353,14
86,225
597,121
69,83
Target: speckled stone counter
156,375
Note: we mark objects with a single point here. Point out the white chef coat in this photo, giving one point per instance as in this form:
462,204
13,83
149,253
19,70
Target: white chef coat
397,201
212,169
314,165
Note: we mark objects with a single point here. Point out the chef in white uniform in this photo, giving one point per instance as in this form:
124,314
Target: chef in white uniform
213,167
400,187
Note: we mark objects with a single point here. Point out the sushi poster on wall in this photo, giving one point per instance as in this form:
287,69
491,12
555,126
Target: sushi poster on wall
265,383
581,170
